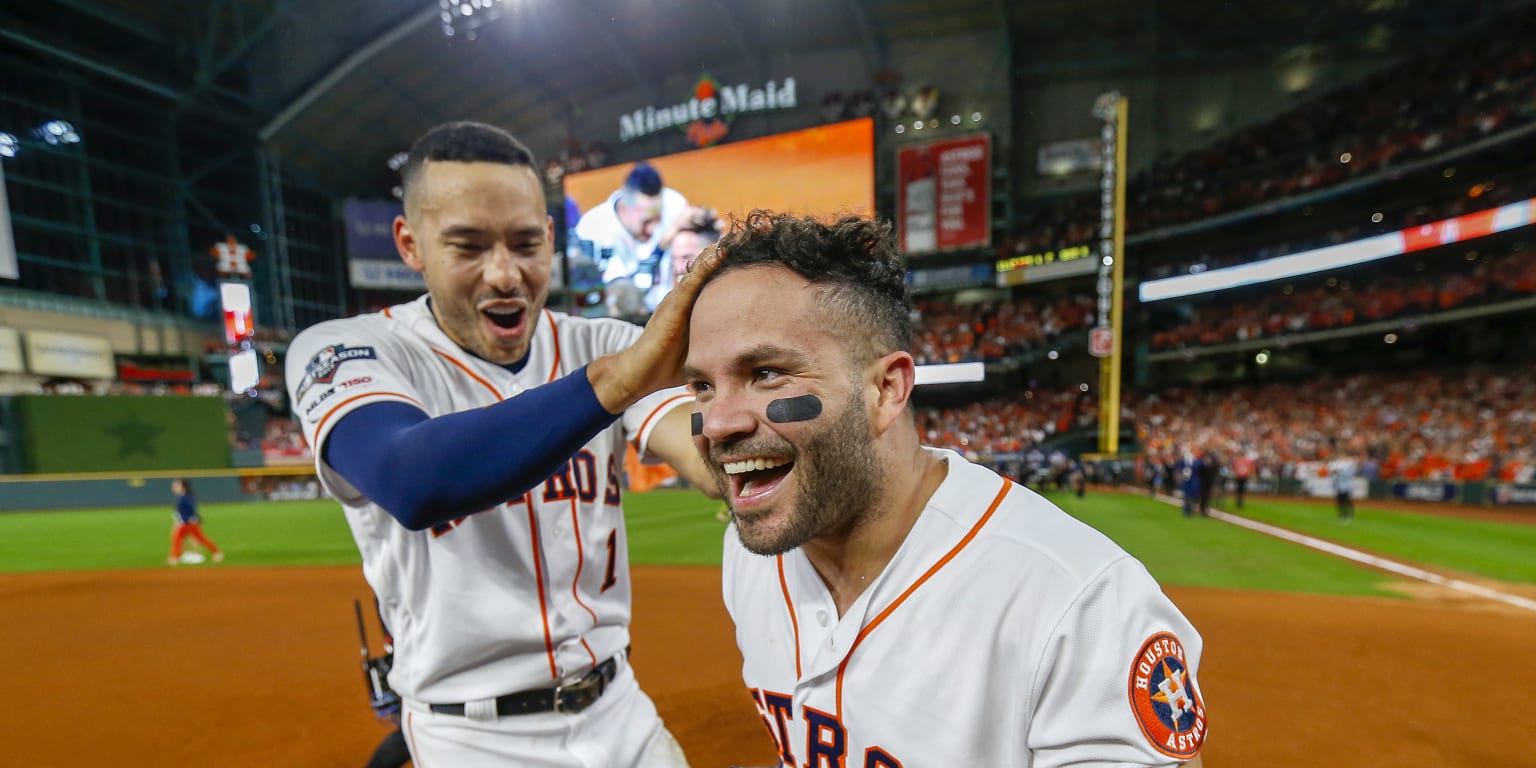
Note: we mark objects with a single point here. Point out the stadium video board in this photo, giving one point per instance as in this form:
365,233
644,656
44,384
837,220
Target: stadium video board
823,171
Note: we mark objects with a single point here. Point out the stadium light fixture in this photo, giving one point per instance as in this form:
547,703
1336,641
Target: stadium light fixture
397,161
9,146
467,15
57,132
1262,358
901,129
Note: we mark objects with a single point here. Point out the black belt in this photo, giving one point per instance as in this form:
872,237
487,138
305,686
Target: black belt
568,697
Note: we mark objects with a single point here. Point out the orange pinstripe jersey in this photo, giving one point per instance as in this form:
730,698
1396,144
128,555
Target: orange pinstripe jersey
504,599
1003,632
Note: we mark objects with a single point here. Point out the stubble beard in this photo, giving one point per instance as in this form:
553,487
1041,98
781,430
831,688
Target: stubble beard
837,479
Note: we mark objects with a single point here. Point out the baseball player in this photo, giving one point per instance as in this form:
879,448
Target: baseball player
474,439
897,605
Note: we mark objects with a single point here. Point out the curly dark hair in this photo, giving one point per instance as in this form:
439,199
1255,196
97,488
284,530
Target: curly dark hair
462,142
853,261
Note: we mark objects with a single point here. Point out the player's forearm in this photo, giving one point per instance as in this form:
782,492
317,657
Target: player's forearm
425,471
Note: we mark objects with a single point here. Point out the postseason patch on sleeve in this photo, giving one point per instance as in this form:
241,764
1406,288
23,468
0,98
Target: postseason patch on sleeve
321,382
1164,698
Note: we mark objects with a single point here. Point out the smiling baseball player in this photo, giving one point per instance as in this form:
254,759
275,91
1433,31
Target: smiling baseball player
475,439
897,605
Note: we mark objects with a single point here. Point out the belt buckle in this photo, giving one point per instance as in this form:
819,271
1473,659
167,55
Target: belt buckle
575,697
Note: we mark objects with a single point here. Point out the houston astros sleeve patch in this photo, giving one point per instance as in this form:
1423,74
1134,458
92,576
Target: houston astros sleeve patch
1163,696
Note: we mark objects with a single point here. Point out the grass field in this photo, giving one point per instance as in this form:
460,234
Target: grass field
679,528
1200,552
1502,551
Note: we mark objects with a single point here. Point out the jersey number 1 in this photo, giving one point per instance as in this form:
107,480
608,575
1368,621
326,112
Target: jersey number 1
613,556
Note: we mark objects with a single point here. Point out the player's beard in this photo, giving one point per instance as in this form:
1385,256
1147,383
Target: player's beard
837,480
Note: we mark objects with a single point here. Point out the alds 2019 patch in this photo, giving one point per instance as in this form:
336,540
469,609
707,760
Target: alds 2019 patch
1164,697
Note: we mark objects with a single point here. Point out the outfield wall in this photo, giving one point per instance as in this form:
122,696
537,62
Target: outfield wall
64,433
147,489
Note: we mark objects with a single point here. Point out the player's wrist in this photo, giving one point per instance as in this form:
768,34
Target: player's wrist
614,387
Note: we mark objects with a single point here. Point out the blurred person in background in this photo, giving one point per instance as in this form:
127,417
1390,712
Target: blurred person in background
1342,470
1242,469
189,523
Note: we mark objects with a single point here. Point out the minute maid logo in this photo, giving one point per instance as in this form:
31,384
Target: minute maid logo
322,367
1165,699
712,107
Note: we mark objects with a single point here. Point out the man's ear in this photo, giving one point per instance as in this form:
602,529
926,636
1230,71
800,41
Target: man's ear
893,376
407,245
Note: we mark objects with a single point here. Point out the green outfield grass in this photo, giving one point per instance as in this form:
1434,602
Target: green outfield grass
253,533
671,527
1503,551
665,527
1200,552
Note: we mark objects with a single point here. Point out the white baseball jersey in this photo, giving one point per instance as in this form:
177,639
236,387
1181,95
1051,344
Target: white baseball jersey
507,599
1004,632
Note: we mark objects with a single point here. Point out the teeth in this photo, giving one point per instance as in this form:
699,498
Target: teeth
752,465
746,488
502,310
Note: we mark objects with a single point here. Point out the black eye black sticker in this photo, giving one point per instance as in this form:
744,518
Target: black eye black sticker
787,409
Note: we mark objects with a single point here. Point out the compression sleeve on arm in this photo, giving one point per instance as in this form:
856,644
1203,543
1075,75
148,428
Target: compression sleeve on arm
426,471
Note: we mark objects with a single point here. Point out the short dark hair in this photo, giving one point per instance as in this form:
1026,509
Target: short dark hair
463,142
853,261
645,179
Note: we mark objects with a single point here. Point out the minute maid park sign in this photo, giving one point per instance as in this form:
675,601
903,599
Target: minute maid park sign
705,115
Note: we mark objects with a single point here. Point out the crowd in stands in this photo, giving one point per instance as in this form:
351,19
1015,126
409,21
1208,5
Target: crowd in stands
1383,295
1418,108
284,443
990,331
1007,424
1476,423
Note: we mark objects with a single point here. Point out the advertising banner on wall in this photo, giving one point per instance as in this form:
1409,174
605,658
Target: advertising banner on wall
943,194
1425,491
73,355
8,265
1511,493
10,351
372,261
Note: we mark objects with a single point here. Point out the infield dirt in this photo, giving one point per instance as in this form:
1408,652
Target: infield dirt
236,667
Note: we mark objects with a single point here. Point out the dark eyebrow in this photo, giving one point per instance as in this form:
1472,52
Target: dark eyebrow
466,230
765,353
756,356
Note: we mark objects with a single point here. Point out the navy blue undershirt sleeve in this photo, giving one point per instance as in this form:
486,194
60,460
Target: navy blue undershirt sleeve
426,471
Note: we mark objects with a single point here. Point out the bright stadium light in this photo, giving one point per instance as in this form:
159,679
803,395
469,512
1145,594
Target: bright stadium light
57,132
9,146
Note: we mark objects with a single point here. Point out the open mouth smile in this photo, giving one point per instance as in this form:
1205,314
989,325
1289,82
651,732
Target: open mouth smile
753,480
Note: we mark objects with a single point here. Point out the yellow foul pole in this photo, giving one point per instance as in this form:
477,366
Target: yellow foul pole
1105,341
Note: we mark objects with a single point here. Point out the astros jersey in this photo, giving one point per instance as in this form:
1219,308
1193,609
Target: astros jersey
1003,633
504,599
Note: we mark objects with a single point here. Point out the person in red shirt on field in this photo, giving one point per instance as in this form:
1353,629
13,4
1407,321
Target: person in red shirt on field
188,523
